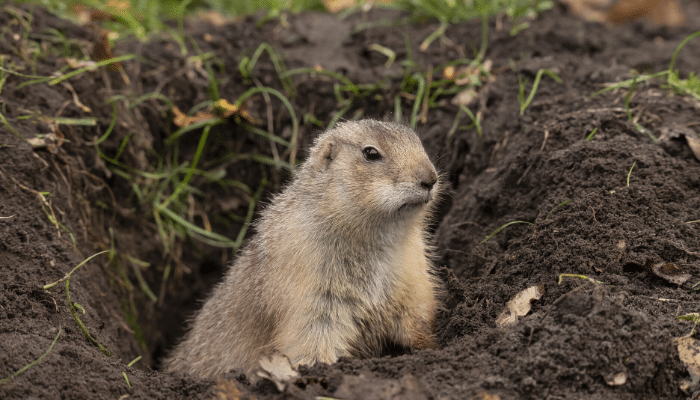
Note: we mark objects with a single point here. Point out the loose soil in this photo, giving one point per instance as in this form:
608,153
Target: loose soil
628,200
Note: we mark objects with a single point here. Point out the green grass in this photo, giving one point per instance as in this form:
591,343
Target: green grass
502,227
31,364
584,277
525,102
171,191
142,17
689,86
73,306
50,285
81,325
164,190
590,135
126,378
560,205
454,11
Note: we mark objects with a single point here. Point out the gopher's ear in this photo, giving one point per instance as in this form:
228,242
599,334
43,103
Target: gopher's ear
324,152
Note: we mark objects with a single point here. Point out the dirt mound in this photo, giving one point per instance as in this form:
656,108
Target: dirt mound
608,186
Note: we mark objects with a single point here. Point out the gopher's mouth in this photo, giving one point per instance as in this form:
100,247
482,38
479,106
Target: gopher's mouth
413,204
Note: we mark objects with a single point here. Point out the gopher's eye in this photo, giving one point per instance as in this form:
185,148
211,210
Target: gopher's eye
371,153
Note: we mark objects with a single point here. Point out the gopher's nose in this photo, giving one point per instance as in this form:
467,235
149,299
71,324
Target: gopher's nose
428,179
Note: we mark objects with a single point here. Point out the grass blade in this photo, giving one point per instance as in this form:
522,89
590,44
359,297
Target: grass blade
504,226
31,364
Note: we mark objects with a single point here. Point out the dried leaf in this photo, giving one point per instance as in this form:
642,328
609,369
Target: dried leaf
77,64
670,272
226,390
278,369
85,15
103,51
226,109
465,97
620,378
470,75
339,5
694,143
467,74
40,142
50,141
689,353
590,10
486,396
487,65
660,12
181,119
112,9
215,18
519,305
675,133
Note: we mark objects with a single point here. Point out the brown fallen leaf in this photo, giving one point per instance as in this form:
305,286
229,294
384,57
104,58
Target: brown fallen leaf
471,74
278,369
225,109
77,64
180,119
689,353
49,141
468,75
694,143
519,305
215,18
590,10
465,97
670,272
471,77
618,379
85,14
103,51
339,5
679,133
112,10
226,390
486,396
660,12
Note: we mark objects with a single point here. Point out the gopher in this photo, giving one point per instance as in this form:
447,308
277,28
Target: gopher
340,263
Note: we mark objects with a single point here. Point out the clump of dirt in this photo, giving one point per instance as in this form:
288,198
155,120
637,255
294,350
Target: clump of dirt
596,206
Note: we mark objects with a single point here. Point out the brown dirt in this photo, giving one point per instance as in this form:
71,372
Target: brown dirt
577,336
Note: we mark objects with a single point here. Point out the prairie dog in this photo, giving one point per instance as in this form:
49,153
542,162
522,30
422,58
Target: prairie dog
339,265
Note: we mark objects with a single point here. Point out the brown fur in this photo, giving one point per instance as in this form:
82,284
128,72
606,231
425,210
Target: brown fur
339,265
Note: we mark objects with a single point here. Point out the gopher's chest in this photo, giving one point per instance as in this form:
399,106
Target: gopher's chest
373,300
